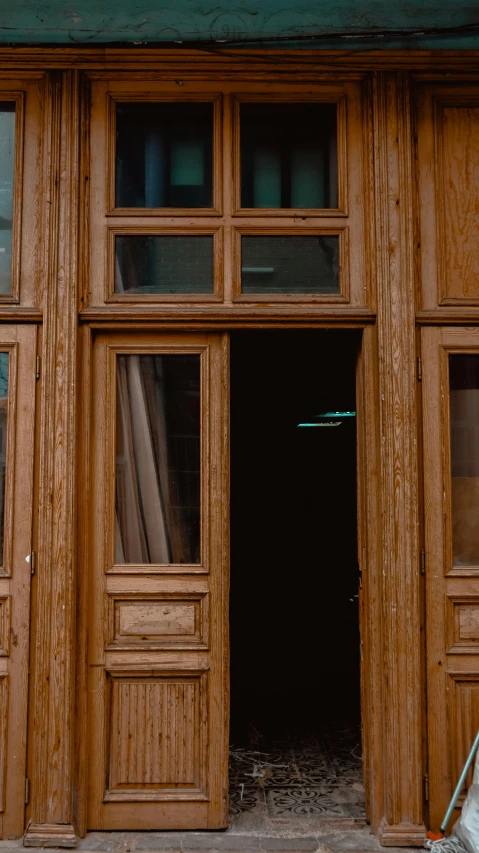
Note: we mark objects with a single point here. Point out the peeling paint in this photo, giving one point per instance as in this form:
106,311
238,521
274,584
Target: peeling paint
356,24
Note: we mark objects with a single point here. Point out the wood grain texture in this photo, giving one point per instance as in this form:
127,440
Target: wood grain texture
457,177
154,736
225,219
452,592
447,121
157,620
157,632
53,686
403,818
20,342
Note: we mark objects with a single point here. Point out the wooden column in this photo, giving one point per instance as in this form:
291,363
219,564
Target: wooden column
53,692
402,687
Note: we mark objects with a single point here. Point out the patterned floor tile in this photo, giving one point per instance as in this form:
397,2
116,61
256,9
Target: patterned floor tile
302,802
312,775
244,800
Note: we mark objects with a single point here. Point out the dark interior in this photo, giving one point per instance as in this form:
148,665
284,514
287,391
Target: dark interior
294,573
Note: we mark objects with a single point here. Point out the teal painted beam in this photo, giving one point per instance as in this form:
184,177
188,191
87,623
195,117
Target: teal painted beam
351,24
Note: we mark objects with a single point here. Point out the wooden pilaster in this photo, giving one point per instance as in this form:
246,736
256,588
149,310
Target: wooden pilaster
53,685
402,755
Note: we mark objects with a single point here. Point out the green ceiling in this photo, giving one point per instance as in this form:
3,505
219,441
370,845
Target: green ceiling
350,24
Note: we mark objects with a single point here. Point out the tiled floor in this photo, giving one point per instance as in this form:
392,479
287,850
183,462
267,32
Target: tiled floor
315,777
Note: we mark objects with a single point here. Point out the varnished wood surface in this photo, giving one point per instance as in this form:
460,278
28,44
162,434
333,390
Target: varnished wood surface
20,343
452,592
127,60
402,822
53,694
393,283
225,219
158,636
447,162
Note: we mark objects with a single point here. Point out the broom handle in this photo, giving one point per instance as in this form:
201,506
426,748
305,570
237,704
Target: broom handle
460,784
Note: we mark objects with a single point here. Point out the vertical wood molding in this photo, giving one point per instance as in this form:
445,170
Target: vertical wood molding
53,686
403,771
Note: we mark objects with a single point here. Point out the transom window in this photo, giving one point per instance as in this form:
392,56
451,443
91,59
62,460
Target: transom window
214,195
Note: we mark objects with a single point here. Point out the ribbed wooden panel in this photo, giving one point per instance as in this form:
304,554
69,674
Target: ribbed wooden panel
3,737
154,733
464,715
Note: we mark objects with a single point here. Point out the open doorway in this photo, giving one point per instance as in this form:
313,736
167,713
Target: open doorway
294,612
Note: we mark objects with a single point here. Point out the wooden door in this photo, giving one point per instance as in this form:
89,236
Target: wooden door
158,642
17,412
451,491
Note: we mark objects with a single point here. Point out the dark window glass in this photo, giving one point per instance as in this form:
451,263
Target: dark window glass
289,264
7,158
464,415
288,155
3,443
164,155
158,473
169,264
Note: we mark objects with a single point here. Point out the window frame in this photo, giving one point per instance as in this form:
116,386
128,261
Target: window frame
342,296
341,137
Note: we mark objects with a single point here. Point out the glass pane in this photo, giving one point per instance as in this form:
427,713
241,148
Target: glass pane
164,155
158,473
3,443
7,156
169,264
288,155
464,389
288,264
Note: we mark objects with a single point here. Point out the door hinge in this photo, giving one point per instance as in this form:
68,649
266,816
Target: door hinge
33,562
27,791
426,787
37,367
419,370
423,561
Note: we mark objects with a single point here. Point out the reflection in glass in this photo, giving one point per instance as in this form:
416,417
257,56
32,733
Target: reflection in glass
164,155
3,443
158,459
164,264
289,264
7,155
464,414
288,155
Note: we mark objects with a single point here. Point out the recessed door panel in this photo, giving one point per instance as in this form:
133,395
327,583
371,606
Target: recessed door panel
157,676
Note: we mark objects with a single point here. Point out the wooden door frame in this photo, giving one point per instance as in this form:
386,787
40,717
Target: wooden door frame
368,544
393,696
452,663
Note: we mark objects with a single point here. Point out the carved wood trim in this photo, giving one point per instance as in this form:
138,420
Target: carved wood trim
53,684
172,62
402,709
